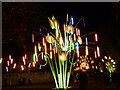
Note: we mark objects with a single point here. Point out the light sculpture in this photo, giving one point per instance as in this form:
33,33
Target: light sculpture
59,50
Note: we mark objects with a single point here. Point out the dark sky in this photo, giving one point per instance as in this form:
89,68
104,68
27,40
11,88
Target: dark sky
21,19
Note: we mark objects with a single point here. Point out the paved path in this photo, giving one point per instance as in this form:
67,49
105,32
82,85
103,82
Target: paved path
92,85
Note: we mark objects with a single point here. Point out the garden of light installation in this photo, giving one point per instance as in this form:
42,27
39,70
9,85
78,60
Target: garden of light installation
63,52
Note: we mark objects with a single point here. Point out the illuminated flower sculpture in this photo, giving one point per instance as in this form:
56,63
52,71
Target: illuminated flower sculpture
59,50
110,64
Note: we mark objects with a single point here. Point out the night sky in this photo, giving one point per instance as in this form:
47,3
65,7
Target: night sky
20,20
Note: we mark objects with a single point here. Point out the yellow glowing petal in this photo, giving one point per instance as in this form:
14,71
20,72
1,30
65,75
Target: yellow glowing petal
79,40
49,39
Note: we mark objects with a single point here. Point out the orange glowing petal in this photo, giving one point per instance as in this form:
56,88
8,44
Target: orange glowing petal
51,23
62,56
69,29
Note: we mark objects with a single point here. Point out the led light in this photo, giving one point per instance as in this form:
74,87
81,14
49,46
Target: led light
43,41
9,57
102,60
114,63
7,69
11,61
109,57
33,64
1,60
22,68
95,54
29,65
96,38
35,48
14,66
33,38
67,18
98,51
79,40
25,56
86,50
39,47
105,57
8,63
24,60
71,21
86,41
112,60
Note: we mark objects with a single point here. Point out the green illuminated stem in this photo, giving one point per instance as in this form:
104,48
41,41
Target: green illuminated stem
65,71
78,21
87,34
60,68
70,70
63,75
68,77
56,65
54,76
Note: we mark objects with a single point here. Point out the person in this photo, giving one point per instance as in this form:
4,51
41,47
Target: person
83,80
29,81
107,78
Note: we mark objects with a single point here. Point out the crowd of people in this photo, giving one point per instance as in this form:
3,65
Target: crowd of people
106,78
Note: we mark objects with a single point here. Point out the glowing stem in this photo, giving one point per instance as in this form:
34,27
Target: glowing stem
53,73
42,55
63,78
65,73
68,74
